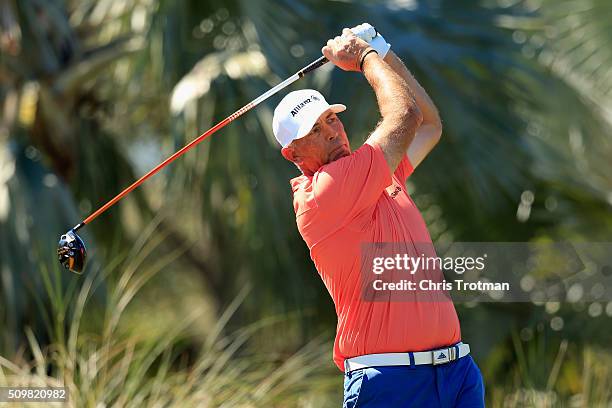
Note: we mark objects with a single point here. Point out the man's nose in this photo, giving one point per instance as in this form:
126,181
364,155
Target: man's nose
332,135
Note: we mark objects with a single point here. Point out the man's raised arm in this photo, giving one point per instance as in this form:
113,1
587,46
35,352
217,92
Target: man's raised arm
401,116
430,131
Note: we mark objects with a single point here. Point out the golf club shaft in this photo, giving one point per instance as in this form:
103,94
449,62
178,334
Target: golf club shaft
309,68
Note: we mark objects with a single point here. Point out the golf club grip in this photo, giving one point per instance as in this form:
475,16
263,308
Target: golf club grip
312,66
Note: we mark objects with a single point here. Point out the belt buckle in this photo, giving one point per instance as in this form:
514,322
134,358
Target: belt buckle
443,356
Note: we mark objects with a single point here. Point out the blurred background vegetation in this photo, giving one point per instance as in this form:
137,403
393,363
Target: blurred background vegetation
199,290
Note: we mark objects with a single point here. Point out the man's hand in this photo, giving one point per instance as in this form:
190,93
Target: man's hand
346,51
369,34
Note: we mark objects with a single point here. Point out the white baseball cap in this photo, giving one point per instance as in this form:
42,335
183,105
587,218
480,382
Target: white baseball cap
297,113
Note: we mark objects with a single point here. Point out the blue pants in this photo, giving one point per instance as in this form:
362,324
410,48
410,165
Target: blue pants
456,384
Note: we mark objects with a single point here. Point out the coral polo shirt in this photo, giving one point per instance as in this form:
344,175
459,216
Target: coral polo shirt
353,201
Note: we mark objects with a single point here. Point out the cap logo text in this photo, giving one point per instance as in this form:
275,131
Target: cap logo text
295,110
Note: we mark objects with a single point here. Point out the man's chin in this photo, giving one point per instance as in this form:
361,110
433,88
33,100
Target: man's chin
338,155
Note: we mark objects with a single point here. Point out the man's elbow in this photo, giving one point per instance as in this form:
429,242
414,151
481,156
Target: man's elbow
431,132
412,117
436,133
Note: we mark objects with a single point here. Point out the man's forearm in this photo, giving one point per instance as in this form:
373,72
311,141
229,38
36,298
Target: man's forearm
429,132
426,105
392,93
400,112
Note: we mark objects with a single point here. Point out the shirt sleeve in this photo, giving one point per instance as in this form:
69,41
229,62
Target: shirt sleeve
352,183
404,169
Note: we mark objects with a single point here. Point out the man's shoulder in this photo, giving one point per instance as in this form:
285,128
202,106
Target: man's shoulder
300,182
364,152
325,187
303,194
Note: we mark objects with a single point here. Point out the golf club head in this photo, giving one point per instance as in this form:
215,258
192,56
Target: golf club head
71,252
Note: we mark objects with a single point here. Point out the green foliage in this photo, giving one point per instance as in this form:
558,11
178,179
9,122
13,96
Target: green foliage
107,363
552,373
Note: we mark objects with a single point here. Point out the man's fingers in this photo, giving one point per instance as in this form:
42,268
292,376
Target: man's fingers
326,51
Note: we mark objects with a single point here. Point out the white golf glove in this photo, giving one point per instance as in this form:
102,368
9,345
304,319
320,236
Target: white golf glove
368,33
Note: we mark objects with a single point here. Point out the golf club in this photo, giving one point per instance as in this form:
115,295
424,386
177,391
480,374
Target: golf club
71,248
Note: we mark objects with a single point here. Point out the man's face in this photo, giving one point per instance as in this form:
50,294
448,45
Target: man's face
326,142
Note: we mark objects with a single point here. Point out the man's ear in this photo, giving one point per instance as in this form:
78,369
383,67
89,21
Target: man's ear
289,154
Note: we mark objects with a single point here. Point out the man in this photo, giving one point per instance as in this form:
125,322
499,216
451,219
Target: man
346,199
